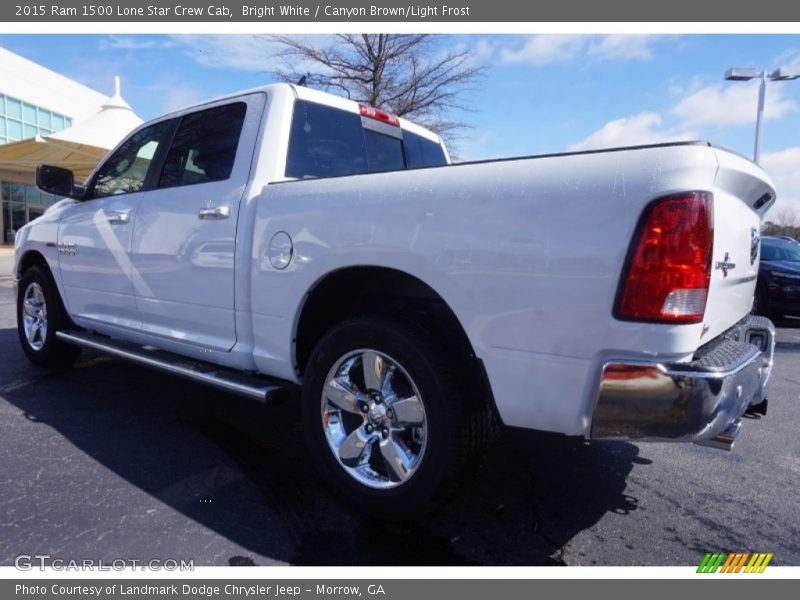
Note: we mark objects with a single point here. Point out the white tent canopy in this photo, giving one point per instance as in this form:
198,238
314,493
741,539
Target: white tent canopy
78,148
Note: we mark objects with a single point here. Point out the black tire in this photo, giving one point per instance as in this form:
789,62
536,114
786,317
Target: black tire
45,350
456,417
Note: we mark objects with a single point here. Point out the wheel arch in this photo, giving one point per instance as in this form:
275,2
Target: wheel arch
33,257
30,258
385,291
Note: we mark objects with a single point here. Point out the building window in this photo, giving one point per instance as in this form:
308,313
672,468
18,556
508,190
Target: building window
20,204
20,120
17,193
32,195
14,129
29,113
44,119
13,108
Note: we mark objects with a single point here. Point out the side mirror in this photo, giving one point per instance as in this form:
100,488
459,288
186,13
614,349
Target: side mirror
58,181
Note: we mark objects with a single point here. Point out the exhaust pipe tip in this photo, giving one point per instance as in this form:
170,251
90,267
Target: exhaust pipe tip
725,439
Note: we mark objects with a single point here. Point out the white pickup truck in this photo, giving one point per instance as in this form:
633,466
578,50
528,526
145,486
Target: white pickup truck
285,239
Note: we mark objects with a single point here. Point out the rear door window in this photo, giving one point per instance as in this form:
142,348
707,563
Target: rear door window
204,146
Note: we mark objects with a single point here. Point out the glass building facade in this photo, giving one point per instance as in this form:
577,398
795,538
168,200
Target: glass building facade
18,121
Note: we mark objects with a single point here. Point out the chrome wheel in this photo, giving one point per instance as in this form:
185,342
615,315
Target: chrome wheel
374,419
34,316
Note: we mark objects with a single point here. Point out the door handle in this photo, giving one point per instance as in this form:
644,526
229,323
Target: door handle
215,213
118,217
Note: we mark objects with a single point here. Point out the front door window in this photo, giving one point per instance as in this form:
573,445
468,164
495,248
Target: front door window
127,169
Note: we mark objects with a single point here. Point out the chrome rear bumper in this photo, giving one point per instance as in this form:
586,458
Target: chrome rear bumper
700,401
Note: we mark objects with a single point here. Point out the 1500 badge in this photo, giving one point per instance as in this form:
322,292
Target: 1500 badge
66,248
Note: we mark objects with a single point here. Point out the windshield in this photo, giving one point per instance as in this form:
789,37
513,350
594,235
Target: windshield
787,251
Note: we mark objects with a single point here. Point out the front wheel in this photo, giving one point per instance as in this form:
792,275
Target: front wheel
389,421
40,315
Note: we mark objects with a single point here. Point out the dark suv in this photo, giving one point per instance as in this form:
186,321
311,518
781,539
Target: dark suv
778,289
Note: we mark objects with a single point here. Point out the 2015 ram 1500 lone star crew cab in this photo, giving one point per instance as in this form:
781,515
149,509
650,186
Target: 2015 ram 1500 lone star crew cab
284,237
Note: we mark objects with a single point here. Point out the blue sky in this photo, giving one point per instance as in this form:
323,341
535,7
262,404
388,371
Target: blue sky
542,93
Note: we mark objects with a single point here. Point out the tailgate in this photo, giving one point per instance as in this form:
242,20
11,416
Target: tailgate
743,192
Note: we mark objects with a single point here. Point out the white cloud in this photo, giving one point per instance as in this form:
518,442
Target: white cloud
484,50
621,47
787,58
784,168
128,42
254,53
731,105
258,53
643,128
544,49
241,52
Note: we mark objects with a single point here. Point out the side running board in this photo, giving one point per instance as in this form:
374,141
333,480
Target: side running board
229,380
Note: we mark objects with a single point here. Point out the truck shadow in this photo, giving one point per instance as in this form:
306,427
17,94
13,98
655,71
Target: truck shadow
242,470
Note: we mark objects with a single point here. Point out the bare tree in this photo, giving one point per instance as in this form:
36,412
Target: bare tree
783,221
408,75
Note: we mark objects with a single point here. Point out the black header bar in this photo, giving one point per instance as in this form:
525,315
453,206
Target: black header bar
452,11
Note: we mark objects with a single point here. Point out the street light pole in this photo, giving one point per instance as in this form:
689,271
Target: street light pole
747,74
762,92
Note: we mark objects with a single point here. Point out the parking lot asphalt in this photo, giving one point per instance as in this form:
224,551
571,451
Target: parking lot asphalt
110,461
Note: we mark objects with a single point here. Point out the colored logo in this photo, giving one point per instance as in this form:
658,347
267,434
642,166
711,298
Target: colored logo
735,562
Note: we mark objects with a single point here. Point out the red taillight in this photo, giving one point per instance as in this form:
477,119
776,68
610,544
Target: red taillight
379,115
669,268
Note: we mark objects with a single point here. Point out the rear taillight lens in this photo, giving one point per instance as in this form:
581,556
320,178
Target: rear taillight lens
669,266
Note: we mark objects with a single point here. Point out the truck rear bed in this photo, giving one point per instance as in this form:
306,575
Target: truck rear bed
527,252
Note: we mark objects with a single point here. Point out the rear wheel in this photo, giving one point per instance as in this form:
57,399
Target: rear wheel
387,418
40,314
